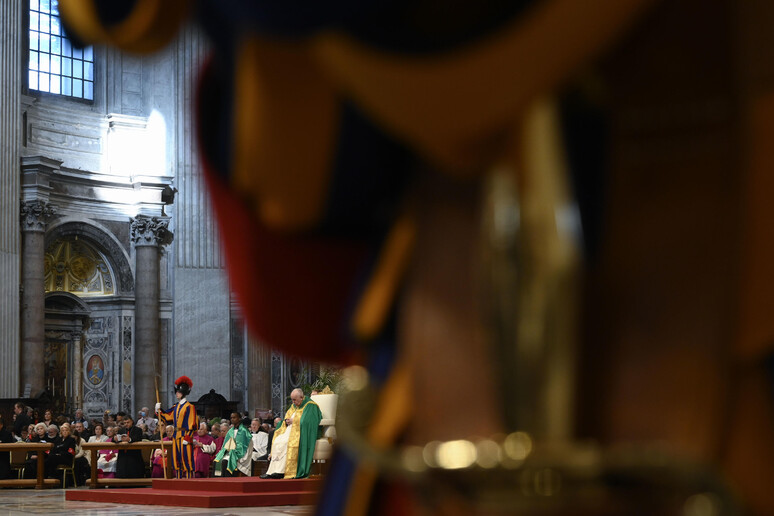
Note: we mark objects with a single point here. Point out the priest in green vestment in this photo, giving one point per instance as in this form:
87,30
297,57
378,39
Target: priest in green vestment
236,450
293,444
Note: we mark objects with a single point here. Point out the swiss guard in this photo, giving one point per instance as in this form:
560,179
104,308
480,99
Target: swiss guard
182,416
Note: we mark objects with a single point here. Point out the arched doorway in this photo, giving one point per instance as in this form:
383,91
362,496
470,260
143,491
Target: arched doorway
89,317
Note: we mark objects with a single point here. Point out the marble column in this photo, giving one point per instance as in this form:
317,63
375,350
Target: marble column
34,215
149,234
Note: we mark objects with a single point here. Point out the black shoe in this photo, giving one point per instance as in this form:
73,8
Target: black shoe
277,476
264,476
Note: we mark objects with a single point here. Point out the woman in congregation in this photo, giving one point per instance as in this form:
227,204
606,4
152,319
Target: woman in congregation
48,418
38,434
62,453
98,437
31,464
109,419
99,434
81,463
52,431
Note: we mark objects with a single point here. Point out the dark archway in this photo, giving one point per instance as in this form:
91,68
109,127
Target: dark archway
67,318
66,302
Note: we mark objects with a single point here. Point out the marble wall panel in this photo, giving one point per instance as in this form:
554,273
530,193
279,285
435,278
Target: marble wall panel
202,330
63,139
70,131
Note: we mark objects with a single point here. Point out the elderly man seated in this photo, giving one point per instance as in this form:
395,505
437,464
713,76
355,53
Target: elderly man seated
80,418
292,447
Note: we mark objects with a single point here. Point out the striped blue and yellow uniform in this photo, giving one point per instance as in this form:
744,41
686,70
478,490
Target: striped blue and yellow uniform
183,417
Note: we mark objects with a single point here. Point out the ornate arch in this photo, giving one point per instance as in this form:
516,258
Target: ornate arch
103,241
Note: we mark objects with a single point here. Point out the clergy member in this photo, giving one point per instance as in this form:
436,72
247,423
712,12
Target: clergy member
130,463
204,451
260,439
292,448
182,416
218,436
236,453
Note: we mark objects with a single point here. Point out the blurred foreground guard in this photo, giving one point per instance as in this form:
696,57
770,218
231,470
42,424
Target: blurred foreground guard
398,180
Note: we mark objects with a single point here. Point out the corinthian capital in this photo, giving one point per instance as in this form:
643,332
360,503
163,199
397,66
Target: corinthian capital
151,231
35,215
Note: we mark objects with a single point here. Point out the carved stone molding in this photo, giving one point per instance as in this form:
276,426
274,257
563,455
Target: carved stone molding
151,231
35,215
69,336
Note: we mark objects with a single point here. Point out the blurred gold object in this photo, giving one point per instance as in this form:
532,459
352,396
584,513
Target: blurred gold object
517,474
532,265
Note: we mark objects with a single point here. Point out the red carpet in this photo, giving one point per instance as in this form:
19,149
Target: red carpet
208,493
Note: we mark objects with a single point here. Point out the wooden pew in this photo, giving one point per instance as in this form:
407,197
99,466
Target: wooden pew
40,482
94,448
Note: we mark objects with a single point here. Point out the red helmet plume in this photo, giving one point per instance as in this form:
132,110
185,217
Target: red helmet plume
184,385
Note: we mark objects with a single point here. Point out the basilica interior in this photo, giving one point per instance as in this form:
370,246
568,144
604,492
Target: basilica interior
113,281
604,203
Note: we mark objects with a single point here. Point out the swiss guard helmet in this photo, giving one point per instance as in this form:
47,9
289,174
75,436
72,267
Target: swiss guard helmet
183,385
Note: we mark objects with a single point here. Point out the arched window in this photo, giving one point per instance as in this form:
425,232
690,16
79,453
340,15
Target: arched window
74,266
54,65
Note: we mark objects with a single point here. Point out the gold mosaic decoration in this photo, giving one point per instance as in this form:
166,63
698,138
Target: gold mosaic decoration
74,266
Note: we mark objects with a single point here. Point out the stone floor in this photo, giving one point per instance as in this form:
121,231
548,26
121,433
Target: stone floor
15,502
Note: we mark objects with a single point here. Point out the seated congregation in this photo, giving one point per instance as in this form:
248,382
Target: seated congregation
282,448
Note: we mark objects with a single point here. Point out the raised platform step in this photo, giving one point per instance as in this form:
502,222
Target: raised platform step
205,499
207,493
237,485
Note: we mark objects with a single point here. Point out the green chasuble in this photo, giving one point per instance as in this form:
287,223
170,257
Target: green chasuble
310,428
241,442
303,437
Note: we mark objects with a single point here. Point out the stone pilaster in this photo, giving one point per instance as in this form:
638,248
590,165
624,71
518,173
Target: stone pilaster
259,374
34,216
11,37
149,234
77,373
